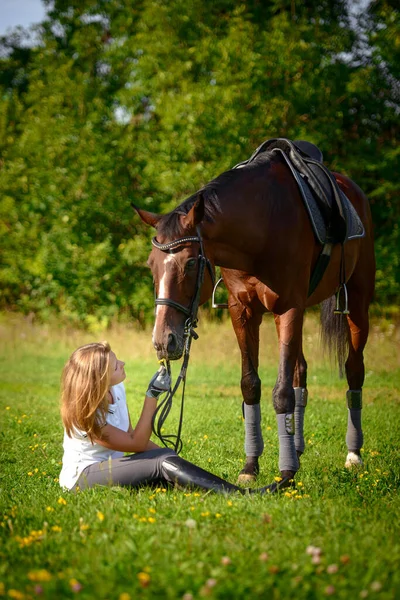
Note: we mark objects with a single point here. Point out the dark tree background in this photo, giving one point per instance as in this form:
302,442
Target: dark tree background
145,101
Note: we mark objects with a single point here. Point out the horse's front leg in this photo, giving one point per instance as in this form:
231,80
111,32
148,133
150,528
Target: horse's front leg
246,320
289,326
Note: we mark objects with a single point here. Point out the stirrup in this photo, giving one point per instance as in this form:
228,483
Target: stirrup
213,303
338,310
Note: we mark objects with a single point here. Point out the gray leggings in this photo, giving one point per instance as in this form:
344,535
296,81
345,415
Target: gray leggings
134,470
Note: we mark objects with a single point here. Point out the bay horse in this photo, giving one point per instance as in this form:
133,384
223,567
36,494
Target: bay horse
253,224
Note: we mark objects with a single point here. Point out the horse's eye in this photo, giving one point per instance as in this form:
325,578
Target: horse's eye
191,264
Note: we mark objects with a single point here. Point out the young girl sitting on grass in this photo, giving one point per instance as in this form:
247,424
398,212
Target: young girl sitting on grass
98,430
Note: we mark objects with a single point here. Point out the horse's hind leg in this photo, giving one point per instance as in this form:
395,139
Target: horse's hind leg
354,366
300,398
290,332
300,394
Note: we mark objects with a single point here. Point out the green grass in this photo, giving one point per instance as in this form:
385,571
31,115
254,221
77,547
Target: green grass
100,543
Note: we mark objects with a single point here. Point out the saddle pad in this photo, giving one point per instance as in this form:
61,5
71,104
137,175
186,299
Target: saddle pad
325,186
354,226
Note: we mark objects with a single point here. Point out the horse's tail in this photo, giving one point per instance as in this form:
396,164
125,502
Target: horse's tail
335,333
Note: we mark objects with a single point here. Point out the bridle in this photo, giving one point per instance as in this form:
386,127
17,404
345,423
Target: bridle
190,312
204,263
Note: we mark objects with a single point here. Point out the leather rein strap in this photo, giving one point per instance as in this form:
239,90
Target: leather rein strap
164,407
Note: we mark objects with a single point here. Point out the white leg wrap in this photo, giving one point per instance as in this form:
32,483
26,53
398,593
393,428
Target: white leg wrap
288,460
354,435
254,443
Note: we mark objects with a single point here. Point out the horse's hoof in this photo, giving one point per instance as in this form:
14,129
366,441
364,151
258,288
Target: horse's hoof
250,470
353,460
246,477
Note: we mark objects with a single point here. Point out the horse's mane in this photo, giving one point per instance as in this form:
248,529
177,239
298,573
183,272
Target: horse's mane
169,225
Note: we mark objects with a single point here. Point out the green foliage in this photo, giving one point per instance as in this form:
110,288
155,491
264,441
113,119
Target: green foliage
147,101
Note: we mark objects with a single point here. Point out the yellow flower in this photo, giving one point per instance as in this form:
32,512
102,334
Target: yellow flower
205,514
56,528
7,407
205,437
124,596
61,501
218,515
151,520
152,510
39,575
16,594
278,479
299,483
196,494
229,503
100,516
144,579
49,508
30,474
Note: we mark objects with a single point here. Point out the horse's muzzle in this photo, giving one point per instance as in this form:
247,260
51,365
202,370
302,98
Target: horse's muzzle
171,350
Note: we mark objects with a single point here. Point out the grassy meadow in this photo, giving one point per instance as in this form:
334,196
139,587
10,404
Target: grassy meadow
337,535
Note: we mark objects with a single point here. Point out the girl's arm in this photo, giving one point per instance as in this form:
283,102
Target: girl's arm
151,445
133,440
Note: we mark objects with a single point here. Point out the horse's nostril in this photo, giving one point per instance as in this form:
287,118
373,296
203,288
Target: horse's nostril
171,346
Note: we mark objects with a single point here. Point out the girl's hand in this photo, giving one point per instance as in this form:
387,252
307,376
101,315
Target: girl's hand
159,383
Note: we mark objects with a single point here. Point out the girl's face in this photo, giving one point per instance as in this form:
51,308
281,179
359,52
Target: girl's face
117,371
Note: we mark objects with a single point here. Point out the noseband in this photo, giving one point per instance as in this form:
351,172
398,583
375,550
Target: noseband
189,312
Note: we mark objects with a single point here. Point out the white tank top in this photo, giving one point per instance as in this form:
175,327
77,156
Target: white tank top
79,452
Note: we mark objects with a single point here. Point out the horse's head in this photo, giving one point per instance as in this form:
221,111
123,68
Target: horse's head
183,275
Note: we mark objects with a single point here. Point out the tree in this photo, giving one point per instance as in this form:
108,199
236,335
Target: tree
147,101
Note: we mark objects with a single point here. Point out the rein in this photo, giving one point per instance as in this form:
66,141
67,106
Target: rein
164,407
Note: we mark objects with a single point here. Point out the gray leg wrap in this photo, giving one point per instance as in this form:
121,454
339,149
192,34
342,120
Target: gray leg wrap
354,436
288,460
300,395
254,443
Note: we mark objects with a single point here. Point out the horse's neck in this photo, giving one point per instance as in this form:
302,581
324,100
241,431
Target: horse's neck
226,249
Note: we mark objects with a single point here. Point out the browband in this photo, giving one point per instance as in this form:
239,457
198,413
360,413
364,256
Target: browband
175,243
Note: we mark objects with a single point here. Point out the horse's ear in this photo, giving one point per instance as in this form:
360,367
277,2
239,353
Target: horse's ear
195,214
147,217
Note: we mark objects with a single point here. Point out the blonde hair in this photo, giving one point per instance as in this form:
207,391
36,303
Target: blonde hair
84,386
